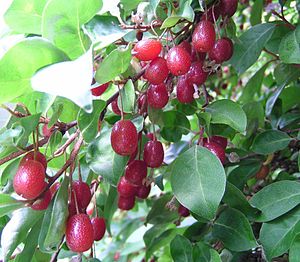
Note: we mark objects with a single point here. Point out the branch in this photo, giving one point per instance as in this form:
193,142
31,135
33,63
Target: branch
63,148
291,26
271,53
154,24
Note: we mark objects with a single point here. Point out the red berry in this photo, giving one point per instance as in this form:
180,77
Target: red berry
79,233
42,203
183,211
153,153
90,209
204,36
83,194
196,74
115,108
72,209
212,14
99,227
157,96
178,60
29,181
186,46
157,71
197,56
185,90
47,131
125,188
142,104
135,172
221,51
150,136
38,157
99,90
126,203
147,49
143,191
228,7
217,150
222,141
124,138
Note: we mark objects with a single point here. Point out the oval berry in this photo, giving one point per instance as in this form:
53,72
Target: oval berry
222,141
263,172
143,191
204,36
153,153
147,49
135,172
157,96
83,194
221,51
178,61
38,156
183,211
126,203
142,104
185,91
217,150
228,7
115,108
42,203
157,72
196,74
99,227
125,188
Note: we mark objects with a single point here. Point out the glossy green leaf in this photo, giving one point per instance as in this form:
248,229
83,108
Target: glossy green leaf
228,112
181,249
270,141
14,76
250,45
294,253
204,253
113,65
8,204
256,12
276,199
139,123
234,230
205,186
110,207
289,48
126,99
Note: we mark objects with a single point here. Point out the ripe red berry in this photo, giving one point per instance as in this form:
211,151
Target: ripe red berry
147,49
125,188
178,61
157,96
185,90
83,194
38,157
222,141
186,46
228,7
135,172
29,181
42,203
143,191
197,56
221,51
183,211
150,136
79,233
196,74
157,71
217,150
99,227
99,90
115,108
204,36
263,172
126,203
142,104
153,153
124,138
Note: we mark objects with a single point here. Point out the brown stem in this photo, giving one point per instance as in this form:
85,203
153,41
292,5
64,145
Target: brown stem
141,27
63,148
55,255
291,26
206,96
271,53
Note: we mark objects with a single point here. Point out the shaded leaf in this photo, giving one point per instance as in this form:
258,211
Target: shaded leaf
289,48
8,204
181,249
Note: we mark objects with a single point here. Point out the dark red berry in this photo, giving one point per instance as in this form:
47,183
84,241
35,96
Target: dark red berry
157,96
178,61
124,138
29,181
186,46
72,209
42,203
196,74
125,188
99,227
204,36
38,157
228,7
147,49
135,172
150,136
185,90
153,153
183,211
142,104
217,150
83,194
157,71
79,233
115,108
126,203
99,90
221,51
197,56
143,191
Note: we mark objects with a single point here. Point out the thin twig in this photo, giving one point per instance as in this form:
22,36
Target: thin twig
63,148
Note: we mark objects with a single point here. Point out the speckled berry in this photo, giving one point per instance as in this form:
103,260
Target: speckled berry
136,172
125,188
126,203
153,153
38,157
185,90
178,61
147,49
221,51
204,36
157,71
99,227
157,96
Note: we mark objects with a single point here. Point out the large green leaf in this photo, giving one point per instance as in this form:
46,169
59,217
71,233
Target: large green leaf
277,236
62,21
111,205
204,253
196,186
234,230
8,204
250,45
294,253
256,12
126,99
181,249
276,199
270,141
15,76
228,112
289,48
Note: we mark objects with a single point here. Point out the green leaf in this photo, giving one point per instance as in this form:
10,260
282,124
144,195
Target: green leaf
250,45
14,76
195,186
62,21
54,141
228,112
113,65
17,228
294,253
127,96
289,48
255,117
234,230
181,249
25,16
276,199
256,12
110,207
278,34
129,5
204,253
88,122
277,236
270,141
9,171
8,204
138,122
57,110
